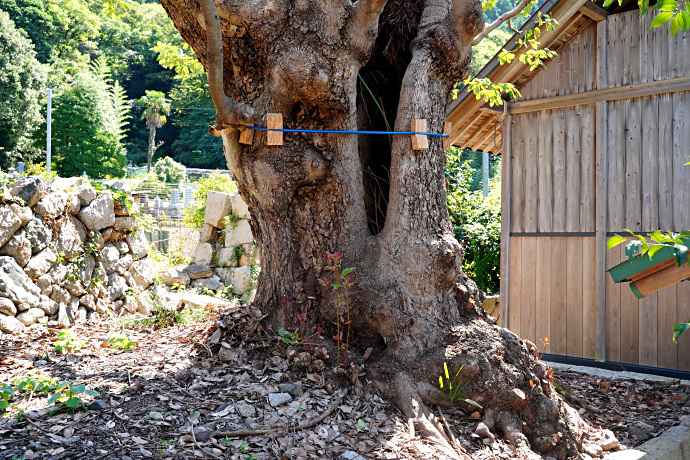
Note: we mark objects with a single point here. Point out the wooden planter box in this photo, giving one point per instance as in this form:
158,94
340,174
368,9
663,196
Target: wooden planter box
647,275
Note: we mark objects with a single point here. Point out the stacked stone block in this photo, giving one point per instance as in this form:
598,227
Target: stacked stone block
68,251
227,245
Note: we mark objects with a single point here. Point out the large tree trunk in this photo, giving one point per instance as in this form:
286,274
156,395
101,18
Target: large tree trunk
373,198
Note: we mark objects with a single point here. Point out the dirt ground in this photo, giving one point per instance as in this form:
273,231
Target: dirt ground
210,390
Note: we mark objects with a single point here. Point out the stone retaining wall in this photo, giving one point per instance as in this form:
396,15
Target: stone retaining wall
69,251
227,245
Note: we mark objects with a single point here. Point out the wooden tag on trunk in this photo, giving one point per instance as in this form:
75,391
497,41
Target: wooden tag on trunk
247,136
274,121
447,129
419,141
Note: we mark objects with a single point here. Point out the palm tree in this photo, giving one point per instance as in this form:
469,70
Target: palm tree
154,114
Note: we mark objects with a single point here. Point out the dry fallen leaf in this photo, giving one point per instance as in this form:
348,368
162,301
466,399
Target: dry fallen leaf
314,377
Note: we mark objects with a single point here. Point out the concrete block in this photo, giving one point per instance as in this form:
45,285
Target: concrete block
250,255
203,254
227,257
218,207
673,444
196,272
208,233
239,278
239,207
242,233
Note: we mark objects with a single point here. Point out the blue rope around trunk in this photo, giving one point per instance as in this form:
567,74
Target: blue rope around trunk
330,131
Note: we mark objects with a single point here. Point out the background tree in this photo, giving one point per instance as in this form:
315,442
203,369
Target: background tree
22,86
194,110
308,197
58,28
88,126
156,107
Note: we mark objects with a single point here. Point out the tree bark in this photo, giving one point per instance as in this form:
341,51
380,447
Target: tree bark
152,146
379,203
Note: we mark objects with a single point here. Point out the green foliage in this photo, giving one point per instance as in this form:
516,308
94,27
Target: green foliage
477,224
342,284
88,126
165,317
6,392
57,28
156,107
68,396
195,111
678,329
487,48
39,169
181,59
194,215
22,85
36,383
122,342
677,12
67,342
484,88
169,170
657,240
454,392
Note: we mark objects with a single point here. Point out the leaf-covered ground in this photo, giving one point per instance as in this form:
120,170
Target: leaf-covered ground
205,391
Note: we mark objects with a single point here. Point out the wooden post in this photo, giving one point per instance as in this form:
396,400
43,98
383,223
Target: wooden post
601,198
419,141
448,130
274,121
504,306
247,136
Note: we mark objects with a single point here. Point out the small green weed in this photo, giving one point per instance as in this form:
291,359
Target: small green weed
68,396
163,317
67,342
454,392
5,392
34,383
122,342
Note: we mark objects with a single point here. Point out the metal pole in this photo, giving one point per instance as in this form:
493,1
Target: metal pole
485,173
48,133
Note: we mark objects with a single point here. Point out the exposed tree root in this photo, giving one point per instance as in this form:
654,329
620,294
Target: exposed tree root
505,376
420,417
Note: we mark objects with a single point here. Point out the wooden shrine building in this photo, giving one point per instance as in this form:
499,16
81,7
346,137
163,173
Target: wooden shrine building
596,144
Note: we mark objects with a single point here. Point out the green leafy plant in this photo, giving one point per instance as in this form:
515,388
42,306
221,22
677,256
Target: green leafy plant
477,223
169,170
671,10
453,387
164,317
194,215
6,392
35,383
67,343
288,337
122,342
657,240
68,396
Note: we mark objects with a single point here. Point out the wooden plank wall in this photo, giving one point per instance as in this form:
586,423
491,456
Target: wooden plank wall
553,191
648,185
568,73
552,292
553,184
553,164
